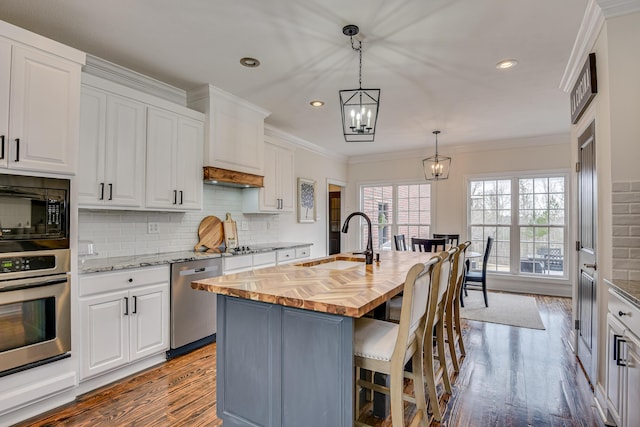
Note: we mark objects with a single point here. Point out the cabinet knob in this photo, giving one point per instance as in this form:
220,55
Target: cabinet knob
130,280
622,313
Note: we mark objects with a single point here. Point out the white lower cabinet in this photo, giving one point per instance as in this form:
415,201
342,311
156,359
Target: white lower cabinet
248,262
623,361
124,318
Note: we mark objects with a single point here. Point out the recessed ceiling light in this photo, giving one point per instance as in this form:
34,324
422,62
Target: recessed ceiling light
506,64
250,62
316,103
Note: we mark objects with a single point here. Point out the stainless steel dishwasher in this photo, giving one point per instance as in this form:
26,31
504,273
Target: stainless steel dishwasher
193,312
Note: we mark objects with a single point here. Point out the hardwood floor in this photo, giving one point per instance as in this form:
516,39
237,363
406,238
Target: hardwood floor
511,377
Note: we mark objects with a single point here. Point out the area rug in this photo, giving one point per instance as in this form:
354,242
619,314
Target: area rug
506,309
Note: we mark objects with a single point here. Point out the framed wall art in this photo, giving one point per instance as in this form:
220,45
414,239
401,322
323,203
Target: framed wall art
306,200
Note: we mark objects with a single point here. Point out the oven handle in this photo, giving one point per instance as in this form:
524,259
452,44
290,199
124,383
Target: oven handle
36,282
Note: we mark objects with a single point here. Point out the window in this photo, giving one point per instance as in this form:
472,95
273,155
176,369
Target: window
526,217
490,208
396,209
541,221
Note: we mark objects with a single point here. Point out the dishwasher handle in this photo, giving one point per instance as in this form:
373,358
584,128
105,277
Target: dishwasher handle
215,269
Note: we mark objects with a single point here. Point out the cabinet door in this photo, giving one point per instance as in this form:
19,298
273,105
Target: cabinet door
189,163
105,334
632,412
93,116
125,152
162,133
269,194
149,327
286,182
5,73
44,105
615,372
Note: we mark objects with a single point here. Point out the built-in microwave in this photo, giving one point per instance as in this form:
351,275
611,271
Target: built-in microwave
34,213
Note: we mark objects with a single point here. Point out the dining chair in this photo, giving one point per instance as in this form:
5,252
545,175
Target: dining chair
427,245
451,239
479,278
453,325
386,347
400,242
434,349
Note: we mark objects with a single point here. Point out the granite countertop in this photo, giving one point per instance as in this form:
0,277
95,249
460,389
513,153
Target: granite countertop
96,265
629,289
90,264
352,289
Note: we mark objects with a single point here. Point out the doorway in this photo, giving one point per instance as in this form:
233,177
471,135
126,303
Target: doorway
586,313
334,215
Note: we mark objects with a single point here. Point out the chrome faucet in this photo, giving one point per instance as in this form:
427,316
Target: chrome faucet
368,253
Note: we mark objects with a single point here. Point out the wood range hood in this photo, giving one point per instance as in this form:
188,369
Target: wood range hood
229,178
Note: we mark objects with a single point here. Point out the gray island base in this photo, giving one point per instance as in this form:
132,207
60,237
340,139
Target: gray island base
283,366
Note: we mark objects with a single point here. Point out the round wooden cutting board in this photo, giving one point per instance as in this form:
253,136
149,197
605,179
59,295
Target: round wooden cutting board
210,233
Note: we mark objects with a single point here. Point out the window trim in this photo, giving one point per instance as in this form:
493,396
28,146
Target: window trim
514,227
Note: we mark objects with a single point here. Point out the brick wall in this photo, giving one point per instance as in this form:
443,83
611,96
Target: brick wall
626,230
124,233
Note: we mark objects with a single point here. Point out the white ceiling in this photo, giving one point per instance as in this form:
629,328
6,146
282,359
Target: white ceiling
433,60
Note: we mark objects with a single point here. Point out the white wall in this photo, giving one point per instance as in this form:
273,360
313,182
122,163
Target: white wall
616,111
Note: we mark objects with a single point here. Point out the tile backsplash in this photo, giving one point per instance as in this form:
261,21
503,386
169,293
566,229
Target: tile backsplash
124,233
626,230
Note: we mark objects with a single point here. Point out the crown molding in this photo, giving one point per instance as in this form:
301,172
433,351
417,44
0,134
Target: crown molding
134,80
272,131
612,8
452,150
208,91
592,22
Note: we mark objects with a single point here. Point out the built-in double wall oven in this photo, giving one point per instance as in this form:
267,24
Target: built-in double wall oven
34,272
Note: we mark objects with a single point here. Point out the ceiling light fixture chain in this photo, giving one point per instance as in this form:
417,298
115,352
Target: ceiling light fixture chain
359,106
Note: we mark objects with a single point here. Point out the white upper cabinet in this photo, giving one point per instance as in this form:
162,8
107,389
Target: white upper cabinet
278,193
39,102
112,149
5,72
234,130
138,151
174,161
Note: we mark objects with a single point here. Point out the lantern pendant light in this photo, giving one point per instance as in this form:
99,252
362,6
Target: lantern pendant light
436,168
359,106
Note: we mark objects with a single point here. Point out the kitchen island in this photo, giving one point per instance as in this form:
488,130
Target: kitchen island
285,336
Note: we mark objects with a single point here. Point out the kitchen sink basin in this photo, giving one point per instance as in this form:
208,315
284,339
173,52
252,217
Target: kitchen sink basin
334,263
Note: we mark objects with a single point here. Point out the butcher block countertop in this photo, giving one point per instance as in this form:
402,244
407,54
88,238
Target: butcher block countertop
339,284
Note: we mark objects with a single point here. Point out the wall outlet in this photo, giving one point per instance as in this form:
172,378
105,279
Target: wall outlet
244,226
153,228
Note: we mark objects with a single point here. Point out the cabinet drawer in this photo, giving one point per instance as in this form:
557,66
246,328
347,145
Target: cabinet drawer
266,259
123,279
624,311
237,263
303,252
286,255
